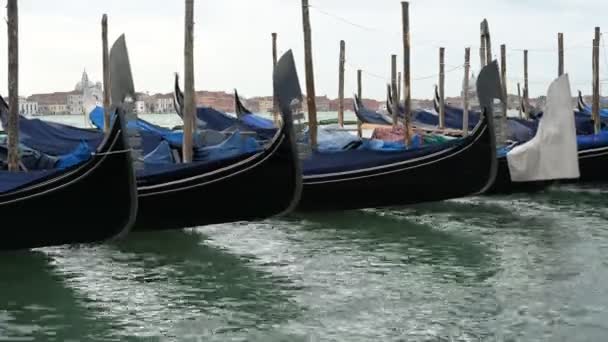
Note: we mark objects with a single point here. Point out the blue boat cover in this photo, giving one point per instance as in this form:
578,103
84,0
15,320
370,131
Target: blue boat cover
603,112
234,146
161,155
371,117
592,141
257,121
519,129
55,139
366,157
10,181
175,138
220,121
81,154
37,160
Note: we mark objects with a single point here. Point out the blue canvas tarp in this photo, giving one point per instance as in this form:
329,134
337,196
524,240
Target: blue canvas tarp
10,181
55,139
365,157
219,121
175,138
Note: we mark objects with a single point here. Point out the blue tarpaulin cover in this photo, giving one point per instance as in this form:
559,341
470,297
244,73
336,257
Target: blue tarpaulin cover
10,181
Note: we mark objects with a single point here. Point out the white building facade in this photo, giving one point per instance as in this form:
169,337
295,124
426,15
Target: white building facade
164,104
27,108
140,107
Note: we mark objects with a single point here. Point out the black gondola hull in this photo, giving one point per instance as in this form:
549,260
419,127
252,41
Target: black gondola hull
504,186
593,164
89,203
467,170
258,187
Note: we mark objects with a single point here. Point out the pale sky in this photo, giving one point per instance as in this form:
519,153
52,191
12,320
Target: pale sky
60,38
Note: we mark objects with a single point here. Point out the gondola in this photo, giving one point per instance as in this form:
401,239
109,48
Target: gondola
592,148
363,177
521,132
174,195
520,129
91,201
585,108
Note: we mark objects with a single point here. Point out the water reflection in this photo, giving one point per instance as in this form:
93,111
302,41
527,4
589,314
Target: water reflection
36,304
172,284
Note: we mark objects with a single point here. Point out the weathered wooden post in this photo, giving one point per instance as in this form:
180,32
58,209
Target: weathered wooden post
405,14
441,88
106,73
399,96
503,73
596,81
310,78
360,95
521,116
341,84
526,89
395,104
482,48
275,57
13,85
189,102
465,91
485,33
560,44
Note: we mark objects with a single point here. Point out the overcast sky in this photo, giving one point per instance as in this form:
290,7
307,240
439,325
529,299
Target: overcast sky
60,38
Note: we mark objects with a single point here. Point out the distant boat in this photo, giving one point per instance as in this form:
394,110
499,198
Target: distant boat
584,108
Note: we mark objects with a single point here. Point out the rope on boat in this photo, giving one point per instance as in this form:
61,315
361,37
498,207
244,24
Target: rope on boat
111,153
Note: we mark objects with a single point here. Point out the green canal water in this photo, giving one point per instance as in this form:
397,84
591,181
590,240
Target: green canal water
516,268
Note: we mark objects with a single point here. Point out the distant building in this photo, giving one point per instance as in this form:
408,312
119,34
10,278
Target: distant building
53,103
265,104
27,108
163,103
75,104
218,100
322,103
140,107
85,90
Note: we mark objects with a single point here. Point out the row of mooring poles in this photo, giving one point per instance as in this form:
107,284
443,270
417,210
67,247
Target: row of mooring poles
310,83
189,92
485,53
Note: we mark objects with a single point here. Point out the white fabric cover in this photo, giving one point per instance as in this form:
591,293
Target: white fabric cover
553,153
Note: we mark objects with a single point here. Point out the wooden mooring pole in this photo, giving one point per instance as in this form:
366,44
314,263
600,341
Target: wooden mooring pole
106,74
441,88
596,81
405,14
560,45
310,78
399,95
395,104
503,74
526,89
13,85
360,95
341,84
189,102
465,92
275,57
519,100
485,32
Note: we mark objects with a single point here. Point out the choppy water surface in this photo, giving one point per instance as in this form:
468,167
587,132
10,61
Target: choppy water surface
516,268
